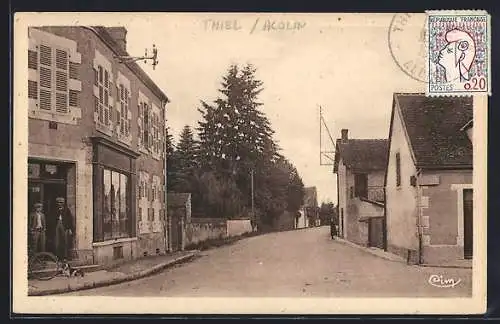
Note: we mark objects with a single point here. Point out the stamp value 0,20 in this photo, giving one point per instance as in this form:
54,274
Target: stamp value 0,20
458,53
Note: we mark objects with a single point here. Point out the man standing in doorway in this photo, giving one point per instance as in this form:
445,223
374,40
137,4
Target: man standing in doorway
64,228
37,228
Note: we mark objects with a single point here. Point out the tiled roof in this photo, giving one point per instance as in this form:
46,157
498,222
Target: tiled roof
434,128
362,155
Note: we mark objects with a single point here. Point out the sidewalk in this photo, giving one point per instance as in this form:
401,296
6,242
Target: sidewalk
372,250
462,264
111,275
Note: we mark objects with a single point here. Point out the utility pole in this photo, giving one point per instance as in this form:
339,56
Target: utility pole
252,193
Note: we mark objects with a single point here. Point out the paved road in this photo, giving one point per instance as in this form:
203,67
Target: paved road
291,264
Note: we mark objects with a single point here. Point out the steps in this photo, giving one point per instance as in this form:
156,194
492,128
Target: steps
51,269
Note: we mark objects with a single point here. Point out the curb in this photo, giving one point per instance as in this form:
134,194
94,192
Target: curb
362,248
449,266
117,280
367,250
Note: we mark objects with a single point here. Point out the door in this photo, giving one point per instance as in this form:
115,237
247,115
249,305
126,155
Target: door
176,226
375,233
35,195
468,223
50,192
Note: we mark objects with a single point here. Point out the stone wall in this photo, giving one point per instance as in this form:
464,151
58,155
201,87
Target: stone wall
202,229
236,227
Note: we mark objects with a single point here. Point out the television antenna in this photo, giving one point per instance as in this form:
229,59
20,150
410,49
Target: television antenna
153,57
326,157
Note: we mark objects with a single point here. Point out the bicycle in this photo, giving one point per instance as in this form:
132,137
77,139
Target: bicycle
43,265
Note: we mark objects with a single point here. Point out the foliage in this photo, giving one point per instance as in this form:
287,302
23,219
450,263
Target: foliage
328,213
236,150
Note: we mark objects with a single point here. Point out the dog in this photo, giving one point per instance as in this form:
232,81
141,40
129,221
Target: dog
68,271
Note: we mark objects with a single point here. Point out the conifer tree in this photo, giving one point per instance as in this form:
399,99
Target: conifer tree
185,161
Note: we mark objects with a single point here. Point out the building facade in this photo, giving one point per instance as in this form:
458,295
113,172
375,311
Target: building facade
360,168
96,138
429,179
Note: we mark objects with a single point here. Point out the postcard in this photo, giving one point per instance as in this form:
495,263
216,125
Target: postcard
250,163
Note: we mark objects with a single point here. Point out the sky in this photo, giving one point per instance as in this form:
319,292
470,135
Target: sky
341,62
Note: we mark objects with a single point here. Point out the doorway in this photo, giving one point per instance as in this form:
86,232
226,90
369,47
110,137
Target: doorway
468,223
177,215
46,193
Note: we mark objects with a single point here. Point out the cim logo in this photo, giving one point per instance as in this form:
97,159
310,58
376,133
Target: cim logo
442,282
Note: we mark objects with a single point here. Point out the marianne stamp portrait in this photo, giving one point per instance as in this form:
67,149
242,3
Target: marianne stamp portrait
250,163
458,52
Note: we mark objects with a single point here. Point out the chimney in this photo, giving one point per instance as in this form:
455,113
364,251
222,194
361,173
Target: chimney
344,135
119,34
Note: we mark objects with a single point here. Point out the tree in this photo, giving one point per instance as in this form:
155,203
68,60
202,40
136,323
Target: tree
185,161
170,160
236,140
328,213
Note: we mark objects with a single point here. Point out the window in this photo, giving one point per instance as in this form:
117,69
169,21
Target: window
144,125
398,169
102,102
361,185
148,127
116,205
123,95
51,89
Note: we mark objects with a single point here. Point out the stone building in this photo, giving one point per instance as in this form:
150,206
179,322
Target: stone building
428,183
360,167
96,137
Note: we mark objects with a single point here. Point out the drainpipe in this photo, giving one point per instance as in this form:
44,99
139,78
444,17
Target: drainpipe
166,233
419,215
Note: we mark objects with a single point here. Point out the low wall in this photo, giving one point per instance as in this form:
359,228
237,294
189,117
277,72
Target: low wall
202,229
236,227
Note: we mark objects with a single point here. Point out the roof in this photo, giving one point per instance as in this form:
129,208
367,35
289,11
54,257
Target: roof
434,128
143,76
310,197
177,199
362,155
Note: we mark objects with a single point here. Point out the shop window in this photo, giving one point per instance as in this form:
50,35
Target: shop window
46,171
116,205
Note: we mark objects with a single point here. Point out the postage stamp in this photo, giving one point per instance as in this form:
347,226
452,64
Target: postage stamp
458,50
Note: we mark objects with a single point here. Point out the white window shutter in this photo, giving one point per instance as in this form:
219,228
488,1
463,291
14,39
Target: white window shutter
139,125
61,80
129,116
45,77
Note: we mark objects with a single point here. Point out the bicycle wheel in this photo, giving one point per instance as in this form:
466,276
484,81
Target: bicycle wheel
44,266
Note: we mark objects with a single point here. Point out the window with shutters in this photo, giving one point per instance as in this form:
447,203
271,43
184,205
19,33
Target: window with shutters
157,135
103,107
51,87
145,126
53,72
123,111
